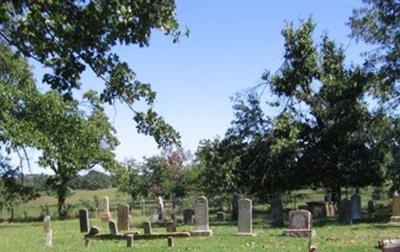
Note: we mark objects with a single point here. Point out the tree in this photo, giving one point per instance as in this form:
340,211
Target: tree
378,24
68,139
72,141
70,36
12,189
129,179
340,147
17,88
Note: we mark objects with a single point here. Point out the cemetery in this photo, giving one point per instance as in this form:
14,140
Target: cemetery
198,125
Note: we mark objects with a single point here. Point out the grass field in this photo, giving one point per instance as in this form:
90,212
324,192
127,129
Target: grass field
331,236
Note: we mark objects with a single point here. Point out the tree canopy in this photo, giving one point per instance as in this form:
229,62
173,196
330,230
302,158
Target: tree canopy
70,36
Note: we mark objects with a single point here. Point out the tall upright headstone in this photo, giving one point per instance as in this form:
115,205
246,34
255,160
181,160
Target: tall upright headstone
299,224
84,220
235,206
201,217
48,231
188,216
355,207
371,207
276,212
123,217
396,209
245,223
105,214
345,211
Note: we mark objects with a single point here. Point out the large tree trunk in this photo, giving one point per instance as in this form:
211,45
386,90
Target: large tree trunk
62,206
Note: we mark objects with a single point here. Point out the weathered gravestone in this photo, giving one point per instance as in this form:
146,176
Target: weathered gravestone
355,207
396,209
147,227
123,217
84,220
299,224
345,211
48,231
106,215
220,216
371,207
201,217
235,206
129,240
113,227
317,209
330,209
276,213
188,216
245,223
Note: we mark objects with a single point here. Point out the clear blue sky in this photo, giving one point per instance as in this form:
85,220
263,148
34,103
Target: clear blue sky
231,43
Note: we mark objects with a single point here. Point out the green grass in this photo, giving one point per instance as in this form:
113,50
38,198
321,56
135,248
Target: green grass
332,237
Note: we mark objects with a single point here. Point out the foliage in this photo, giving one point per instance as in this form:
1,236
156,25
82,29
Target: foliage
12,189
164,175
68,139
94,180
378,24
70,36
324,135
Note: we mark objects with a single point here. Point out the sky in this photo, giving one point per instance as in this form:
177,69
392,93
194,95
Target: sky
231,43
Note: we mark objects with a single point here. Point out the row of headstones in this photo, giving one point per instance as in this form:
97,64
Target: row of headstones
347,211
201,219
123,221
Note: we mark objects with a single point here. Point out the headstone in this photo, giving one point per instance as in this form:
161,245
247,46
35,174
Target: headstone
396,209
129,240
330,209
160,208
345,211
113,227
389,245
220,216
317,209
299,224
188,216
106,215
371,206
171,227
84,220
147,227
48,232
245,223
201,217
170,242
123,217
276,213
94,230
355,207
235,206
46,223
87,242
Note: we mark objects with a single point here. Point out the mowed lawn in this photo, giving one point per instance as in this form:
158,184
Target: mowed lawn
331,236
66,237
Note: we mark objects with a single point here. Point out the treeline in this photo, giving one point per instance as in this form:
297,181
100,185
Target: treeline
93,180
